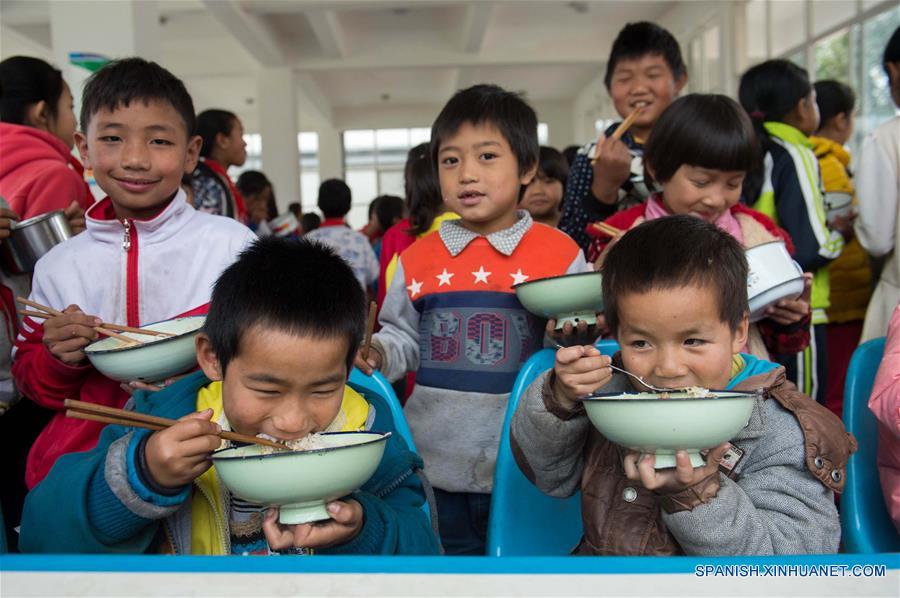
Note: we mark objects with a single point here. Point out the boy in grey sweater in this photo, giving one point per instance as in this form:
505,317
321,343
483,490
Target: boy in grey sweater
676,299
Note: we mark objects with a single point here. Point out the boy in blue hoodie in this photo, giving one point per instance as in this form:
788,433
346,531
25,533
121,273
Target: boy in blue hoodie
675,293
284,324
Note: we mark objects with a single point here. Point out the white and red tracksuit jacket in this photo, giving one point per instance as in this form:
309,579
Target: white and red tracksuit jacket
127,271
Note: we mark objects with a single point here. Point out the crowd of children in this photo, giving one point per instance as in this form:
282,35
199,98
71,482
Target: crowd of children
692,184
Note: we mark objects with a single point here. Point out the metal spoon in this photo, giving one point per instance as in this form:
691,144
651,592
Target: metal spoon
636,377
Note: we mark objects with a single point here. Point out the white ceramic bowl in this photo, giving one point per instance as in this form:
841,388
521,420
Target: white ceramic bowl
155,359
772,276
838,203
647,423
300,483
567,298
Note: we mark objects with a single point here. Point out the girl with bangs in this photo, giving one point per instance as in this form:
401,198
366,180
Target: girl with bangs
701,150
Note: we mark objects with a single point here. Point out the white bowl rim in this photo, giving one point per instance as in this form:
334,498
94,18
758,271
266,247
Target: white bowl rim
654,396
378,437
573,275
772,242
89,351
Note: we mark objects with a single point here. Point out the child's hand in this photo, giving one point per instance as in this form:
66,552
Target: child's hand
791,311
843,225
67,335
138,385
75,216
671,481
345,523
7,217
372,362
179,454
611,168
582,334
580,370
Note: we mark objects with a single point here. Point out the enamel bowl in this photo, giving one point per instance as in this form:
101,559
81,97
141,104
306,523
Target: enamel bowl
772,276
155,359
300,483
567,298
653,423
838,203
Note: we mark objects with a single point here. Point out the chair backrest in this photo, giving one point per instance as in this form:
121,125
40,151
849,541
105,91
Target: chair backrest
865,523
523,520
378,384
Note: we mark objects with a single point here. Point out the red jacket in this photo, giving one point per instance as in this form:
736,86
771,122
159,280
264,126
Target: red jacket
394,242
38,173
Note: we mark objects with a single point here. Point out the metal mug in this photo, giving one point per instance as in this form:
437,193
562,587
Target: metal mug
31,239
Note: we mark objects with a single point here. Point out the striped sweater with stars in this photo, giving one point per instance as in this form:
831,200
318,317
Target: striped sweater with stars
452,316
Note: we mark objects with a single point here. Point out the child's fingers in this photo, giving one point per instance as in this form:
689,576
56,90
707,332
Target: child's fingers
199,446
629,464
345,513
278,537
684,471
572,354
647,472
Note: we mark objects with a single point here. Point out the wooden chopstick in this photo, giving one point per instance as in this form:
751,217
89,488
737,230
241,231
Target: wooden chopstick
111,415
607,229
100,330
104,325
370,327
620,130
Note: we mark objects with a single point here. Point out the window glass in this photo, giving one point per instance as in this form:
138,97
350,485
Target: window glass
875,95
833,57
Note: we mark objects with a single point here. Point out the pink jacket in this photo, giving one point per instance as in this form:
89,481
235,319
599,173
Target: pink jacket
885,404
38,173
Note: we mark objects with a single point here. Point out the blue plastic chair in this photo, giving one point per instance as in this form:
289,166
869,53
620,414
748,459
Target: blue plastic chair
378,384
865,523
523,520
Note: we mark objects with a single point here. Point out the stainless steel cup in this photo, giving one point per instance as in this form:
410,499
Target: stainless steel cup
31,239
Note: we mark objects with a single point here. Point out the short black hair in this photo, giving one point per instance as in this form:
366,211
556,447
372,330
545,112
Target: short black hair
553,165
121,82
891,50
833,98
212,122
25,81
335,198
640,39
387,209
310,221
490,104
422,188
676,251
570,152
295,208
251,182
295,286
704,130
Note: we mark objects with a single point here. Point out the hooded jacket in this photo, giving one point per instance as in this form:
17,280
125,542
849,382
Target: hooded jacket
38,173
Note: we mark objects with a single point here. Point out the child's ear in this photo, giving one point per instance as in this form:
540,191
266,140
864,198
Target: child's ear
222,140
680,82
740,334
206,358
193,153
529,175
37,115
82,145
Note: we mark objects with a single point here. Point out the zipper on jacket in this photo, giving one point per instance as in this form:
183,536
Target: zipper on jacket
130,247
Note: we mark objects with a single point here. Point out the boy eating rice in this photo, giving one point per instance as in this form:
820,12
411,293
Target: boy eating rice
676,299
284,324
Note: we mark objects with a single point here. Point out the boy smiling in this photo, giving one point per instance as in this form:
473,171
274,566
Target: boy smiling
146,255
450,313
676,299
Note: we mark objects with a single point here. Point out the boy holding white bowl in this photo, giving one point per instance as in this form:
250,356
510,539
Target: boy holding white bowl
284,325
676,300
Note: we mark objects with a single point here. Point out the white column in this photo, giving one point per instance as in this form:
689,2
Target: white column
111,29
331,159
278,128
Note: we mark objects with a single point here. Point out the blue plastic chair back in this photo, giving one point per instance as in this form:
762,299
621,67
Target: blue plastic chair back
379,385
523,520
865,523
